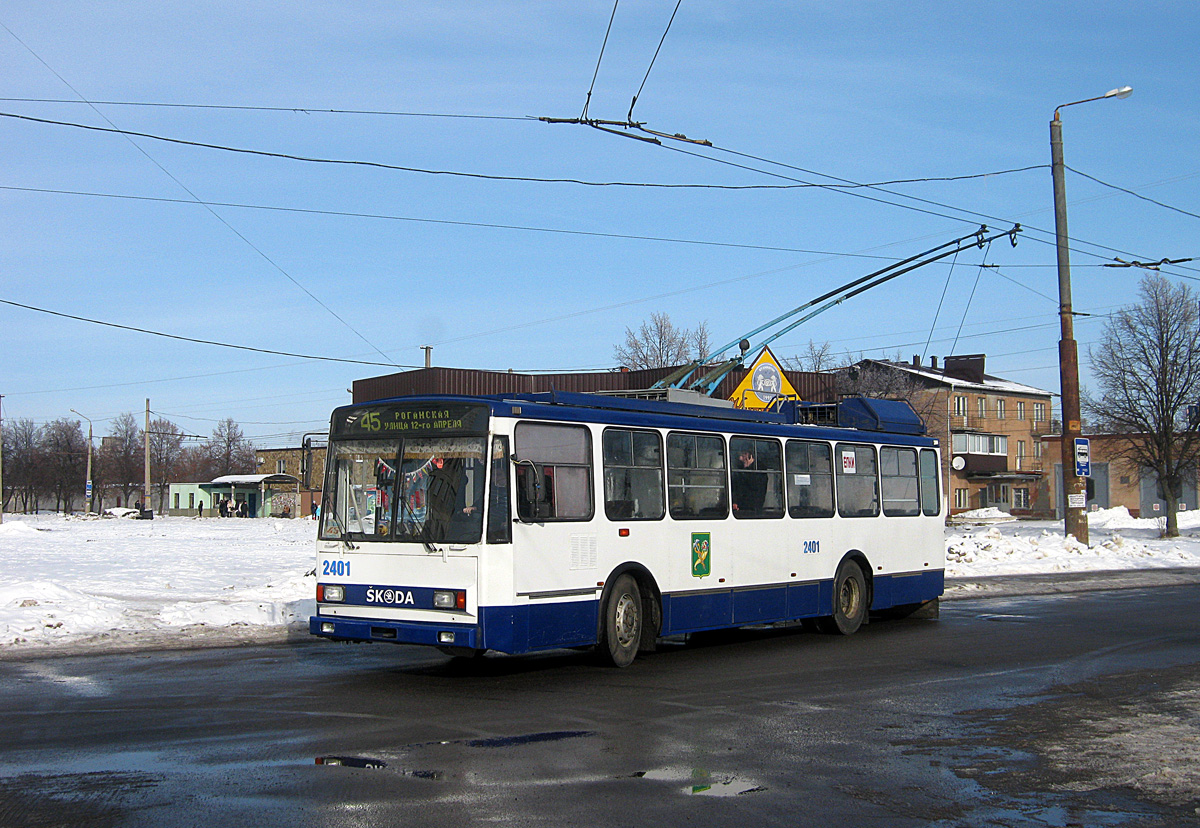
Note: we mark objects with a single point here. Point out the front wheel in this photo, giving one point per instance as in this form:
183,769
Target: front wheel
849,601
622,622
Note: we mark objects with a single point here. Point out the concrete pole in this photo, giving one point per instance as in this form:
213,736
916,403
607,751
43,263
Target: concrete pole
1074,487
146,434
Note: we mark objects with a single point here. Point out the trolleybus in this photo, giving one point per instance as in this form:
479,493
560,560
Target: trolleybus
525,522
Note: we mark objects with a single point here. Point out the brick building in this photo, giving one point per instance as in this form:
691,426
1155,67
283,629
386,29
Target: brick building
990,428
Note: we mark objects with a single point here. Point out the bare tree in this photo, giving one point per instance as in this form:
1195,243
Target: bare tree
65,457
657,343
1147,369
166,452
816,357
122,456
229,451
23,466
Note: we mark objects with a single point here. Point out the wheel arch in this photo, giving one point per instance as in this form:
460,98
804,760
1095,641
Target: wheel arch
651,601
860,558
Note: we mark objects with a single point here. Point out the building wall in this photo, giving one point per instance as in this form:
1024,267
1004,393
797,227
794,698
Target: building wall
300,463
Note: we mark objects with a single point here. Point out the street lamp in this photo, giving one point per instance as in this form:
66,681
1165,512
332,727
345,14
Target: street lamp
1074,487
88,490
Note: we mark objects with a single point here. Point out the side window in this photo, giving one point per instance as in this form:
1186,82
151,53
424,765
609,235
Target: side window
898,471
696,483
554,472
756,478
633,475
931,503
809,479
857,481
499,519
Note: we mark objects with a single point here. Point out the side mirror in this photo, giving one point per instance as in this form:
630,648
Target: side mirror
533,490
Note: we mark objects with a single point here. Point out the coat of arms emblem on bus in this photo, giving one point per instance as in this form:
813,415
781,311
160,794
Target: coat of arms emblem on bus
701,559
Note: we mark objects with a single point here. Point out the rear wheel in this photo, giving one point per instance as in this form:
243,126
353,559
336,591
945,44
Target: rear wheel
849,601
623,620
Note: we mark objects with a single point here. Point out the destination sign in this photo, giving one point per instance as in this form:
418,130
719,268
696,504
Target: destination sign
399,420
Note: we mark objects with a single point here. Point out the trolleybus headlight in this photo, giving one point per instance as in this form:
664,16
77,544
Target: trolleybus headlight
327,627
450,599
445,638
330,593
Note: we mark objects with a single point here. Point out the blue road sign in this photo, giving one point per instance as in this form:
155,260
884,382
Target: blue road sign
1083,457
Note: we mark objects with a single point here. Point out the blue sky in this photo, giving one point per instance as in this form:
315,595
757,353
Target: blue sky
866,92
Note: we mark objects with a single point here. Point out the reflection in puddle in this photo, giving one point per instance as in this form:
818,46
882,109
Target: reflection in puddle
351,762
700,782
528,738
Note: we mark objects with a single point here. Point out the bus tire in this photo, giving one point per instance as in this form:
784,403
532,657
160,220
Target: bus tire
623,620
849,601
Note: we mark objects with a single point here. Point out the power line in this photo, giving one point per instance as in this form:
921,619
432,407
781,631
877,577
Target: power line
663,40
196,198
200,341
1132,193
303,110
797,184
587,101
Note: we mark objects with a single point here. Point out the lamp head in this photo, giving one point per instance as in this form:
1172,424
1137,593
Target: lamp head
1122,92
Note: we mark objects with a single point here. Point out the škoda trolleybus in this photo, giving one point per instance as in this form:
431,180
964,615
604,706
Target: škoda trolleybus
529,522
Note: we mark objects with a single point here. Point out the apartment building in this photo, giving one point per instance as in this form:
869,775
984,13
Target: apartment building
991,428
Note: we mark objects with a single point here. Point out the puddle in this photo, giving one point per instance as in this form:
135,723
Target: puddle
699,782
529,738
351,762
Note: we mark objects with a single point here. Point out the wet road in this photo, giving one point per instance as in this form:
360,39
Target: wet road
1056,710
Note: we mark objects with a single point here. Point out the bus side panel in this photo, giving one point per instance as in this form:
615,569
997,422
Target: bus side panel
907,588
751,606
803,600
692,611
529,627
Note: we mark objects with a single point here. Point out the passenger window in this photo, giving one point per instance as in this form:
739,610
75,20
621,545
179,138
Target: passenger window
898,470
633,475
809,479
931,502
857,481
696,482
756,478
554,472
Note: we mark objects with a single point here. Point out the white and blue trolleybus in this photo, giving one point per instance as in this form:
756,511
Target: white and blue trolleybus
525,522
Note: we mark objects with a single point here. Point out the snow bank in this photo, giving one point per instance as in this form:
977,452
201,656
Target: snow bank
76,579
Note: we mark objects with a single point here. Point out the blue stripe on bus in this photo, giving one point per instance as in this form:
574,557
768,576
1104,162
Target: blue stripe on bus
530,627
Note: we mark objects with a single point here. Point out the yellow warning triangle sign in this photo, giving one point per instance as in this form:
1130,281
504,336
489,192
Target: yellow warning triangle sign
763,384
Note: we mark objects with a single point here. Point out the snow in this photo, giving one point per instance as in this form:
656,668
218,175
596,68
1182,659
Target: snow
85,582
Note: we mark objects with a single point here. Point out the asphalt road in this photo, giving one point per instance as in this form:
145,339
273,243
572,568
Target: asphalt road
1049,710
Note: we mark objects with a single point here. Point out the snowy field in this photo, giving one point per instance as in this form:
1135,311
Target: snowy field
75,582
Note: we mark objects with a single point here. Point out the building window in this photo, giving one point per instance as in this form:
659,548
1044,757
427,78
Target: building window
177,501
1037,448
191,500
281,466
980,444
1020,454
1039,412
633,475
696,481
1021,410
1020,498
999,409
982,405
962,498
960,406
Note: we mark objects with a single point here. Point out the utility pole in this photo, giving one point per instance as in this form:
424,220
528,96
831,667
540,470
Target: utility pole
146,433
1074,486
1,460
87,492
